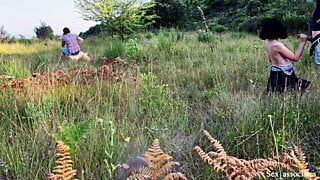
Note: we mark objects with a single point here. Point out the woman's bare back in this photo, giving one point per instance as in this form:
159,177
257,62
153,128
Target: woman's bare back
275,56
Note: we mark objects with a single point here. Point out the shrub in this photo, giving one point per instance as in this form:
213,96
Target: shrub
132,49
295,23
217,28
148,35
25,41
93,31
44,31
251,24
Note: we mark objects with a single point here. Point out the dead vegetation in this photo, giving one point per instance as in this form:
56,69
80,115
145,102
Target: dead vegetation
155,164
63,165
37,84
235,168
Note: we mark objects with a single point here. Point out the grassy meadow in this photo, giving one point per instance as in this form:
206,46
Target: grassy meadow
177,86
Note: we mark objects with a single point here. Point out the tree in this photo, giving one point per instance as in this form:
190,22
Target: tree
44,31
171,13
118,16
3,33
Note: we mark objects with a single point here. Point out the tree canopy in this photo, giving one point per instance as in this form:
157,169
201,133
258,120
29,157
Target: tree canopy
236,15
118,16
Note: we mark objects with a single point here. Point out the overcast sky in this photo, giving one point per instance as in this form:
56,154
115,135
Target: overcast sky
21,16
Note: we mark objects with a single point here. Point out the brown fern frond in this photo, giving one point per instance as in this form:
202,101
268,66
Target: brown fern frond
144,170
215,143
63,169
205,157
233,167
213,155
139,177
157,160
175,176
154,165
168,167
51,177
257,167
298,161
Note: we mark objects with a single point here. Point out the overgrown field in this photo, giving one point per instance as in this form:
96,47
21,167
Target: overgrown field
171,86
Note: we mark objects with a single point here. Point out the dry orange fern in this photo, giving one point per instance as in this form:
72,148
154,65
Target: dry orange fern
175,176
139,177
154,165
159,162
142,173
235,168
215,143
296,159
63,169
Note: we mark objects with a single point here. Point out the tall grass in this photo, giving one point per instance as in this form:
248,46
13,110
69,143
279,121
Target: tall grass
181,86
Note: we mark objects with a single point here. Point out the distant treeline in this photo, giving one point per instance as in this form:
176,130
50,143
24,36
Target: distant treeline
227,15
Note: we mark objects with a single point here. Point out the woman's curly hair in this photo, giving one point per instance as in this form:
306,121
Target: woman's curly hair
273,29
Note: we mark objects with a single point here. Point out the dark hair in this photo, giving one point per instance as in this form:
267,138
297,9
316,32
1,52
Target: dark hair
273,29
66,31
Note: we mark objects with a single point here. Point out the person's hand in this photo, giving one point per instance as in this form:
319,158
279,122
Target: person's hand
80,40
303,38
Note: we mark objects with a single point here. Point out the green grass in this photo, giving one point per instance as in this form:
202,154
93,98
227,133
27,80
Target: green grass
182,86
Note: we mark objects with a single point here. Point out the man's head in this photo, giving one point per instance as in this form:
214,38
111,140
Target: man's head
66,31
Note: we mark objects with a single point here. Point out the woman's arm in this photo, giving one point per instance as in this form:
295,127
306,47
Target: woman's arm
80,40
285,52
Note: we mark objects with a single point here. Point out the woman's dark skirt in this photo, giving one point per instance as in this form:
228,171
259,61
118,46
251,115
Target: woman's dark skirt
281,82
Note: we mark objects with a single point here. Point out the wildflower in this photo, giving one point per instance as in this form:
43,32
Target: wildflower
127,139
110,122
52,136
99,120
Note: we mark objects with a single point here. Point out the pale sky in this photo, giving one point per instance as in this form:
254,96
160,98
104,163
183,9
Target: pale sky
21,16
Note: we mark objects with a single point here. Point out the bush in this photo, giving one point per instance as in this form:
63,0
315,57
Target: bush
132,49
44,31
217,28
25,41
251,24
93,31
148,35
295,23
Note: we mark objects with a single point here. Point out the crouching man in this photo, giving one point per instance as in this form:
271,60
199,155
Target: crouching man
71,46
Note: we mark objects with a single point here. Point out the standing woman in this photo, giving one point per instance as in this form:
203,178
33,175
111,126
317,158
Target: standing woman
315,32
282,75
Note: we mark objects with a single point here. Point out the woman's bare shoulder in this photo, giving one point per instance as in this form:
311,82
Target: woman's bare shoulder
276,45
